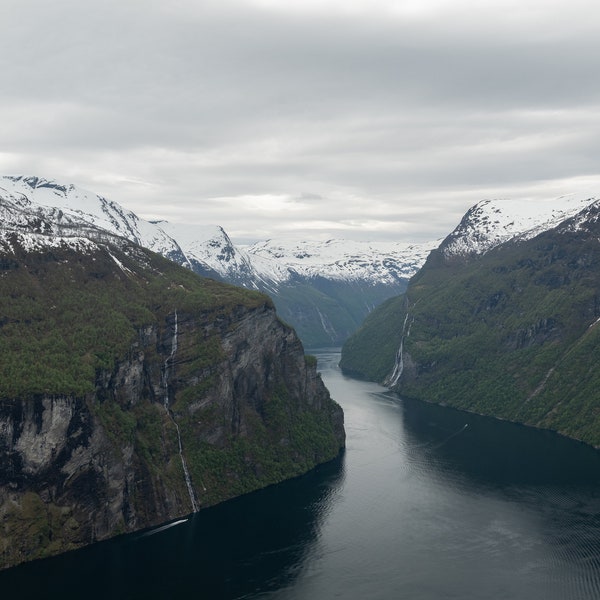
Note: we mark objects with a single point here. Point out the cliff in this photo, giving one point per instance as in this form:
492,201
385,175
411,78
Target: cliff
133,392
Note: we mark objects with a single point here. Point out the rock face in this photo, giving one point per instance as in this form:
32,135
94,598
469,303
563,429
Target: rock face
203,395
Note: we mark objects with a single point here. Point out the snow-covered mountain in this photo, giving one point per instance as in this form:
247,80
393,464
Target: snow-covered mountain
324,289
209,251
492,222
379,262
68,209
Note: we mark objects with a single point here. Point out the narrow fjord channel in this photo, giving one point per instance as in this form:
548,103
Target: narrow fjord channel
426,503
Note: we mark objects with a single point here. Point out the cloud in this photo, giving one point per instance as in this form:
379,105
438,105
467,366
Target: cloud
268,116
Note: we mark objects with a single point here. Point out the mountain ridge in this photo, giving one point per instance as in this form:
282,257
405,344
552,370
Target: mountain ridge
490,223
310,282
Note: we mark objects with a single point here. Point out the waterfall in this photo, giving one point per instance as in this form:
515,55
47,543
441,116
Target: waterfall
394,378
186,472
168,362
166,402
327,328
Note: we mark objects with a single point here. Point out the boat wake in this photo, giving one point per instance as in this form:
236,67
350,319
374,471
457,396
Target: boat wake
163,527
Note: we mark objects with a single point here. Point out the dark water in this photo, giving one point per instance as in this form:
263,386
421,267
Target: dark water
426,503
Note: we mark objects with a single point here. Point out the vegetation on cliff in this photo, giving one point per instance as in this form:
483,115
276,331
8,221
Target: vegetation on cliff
513,333
119,370
65,315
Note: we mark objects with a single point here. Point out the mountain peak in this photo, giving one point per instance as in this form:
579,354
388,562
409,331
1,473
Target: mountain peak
36,182
492,222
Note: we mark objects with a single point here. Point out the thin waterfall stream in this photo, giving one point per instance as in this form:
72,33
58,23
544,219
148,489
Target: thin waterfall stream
166,402
394,378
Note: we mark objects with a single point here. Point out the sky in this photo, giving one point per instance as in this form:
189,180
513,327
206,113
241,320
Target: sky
357,119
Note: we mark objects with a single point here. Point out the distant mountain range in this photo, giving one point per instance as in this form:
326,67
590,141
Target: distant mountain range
503,319
323,289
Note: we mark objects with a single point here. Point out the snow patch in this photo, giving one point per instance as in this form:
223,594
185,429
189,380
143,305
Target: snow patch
120,265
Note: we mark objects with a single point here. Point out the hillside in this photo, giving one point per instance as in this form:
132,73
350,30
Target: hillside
511,331
133,392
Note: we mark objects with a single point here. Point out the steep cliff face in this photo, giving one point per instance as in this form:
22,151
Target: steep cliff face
134,392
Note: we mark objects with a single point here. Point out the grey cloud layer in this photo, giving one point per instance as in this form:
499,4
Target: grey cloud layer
204,108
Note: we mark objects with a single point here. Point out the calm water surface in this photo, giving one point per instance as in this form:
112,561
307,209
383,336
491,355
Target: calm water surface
426,503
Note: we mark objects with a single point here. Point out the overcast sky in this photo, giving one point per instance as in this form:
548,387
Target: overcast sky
362,119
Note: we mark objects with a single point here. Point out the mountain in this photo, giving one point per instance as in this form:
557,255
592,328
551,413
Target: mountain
326,289
493,222
67,208
323,289
503,319
132,391
342,260
209,252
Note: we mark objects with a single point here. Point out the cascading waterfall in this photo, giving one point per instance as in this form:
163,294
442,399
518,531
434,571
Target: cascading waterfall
166,403
394,378
327,328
